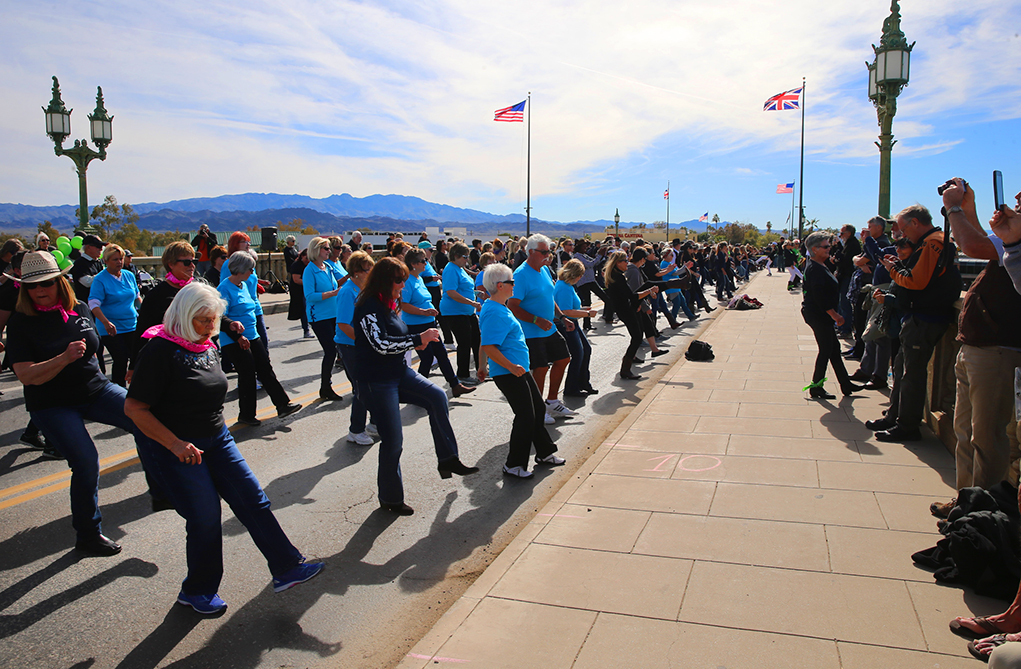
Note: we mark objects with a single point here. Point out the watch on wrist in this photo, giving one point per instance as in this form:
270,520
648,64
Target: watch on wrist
956,209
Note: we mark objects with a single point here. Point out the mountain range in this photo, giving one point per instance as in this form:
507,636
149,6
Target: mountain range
334,213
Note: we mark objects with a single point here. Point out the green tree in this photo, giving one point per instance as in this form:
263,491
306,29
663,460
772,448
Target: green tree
110,216
50,231
716,219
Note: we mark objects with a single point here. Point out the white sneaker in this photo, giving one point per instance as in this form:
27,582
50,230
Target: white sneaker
519,472
360,438
549,420
371,430
557,409
551,459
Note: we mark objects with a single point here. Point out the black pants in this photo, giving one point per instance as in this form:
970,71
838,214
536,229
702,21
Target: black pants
436,293
121,346
630,320
918,340
469,338
829,348
325,331
585,293
434,351
529,415
251,364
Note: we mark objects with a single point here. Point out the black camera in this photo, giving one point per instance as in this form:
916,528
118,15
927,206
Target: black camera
948,184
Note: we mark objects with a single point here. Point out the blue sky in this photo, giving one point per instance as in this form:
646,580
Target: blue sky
330,97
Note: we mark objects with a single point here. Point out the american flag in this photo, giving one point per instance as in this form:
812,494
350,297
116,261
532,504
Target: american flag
785,188
782,101
512,114
666,194
704,218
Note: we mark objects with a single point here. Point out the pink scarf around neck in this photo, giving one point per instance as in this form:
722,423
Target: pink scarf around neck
57,307
178,283
159,331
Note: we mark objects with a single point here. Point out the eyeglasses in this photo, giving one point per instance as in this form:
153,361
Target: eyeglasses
336,248
208,322
48,283
825,246
545,252
188,262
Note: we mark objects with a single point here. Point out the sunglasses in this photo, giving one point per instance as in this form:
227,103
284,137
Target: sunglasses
509,283
186,261
336,248
48,283
545,252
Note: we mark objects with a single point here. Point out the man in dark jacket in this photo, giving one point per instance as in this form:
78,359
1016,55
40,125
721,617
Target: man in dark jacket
203,243
849,248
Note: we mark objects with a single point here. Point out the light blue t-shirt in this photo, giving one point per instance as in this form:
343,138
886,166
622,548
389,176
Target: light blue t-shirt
565,296
338,269
535,290
672,274
117,300
252,284
240,307
346,299
417,295
500,328
427,275
455,278
315,282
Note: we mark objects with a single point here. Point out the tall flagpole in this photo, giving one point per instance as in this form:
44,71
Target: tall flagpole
791,219
801,180
668,211
528,173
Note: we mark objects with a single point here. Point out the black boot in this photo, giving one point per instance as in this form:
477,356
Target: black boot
625,370
819,393
328,393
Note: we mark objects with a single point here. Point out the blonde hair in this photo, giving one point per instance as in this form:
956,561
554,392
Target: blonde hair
174,252
109,250
572,270
315,245
611,266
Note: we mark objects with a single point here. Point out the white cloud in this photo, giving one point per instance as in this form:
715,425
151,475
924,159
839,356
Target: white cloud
325,97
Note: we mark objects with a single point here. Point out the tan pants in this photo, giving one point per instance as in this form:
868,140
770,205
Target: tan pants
984,410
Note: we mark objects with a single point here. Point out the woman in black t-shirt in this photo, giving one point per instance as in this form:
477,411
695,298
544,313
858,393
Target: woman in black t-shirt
51,346
178,382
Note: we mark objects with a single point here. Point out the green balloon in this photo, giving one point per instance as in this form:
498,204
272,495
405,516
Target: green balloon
64,244
59,255
76,242
64,264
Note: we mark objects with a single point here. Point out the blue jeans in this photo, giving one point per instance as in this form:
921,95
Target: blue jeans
581,351
358,412
64,428
383,398
677,299
195,491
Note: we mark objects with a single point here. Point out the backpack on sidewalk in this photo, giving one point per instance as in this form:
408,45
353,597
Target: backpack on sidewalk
699,351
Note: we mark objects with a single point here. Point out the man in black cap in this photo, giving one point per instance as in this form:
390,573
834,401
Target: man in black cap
84,270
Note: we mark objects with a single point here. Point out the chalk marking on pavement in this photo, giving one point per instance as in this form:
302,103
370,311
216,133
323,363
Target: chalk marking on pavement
680,465
436,659
663,460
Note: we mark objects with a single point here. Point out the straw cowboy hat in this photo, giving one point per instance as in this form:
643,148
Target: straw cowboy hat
38,266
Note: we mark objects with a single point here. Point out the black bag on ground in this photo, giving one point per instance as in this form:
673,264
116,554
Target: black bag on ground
699,351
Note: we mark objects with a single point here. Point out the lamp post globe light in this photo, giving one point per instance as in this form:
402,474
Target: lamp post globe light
58,127
888,75
616,223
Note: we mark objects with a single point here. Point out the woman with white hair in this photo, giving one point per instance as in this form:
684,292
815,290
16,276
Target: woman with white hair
319,282
504,344
244,347
178,382
114,301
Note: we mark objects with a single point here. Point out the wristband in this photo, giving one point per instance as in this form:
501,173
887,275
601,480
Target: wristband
535,320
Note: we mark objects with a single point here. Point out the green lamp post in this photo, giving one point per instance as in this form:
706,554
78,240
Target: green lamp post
888,75
58,127
616,223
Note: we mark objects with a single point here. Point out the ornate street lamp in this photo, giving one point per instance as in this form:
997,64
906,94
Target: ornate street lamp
616,224
888,75
58,127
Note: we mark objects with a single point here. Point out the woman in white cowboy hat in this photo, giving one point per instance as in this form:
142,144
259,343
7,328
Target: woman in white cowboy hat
51,346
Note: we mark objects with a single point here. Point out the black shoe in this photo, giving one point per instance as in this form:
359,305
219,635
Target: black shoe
854,357
50,453
575,393
401,509
850,389
329,394
820,394
709,309
454,466
36,441
98,546
288,409
860,376
249,420
656,354
591,391
159,504
880,424
461,389
899,433
876,385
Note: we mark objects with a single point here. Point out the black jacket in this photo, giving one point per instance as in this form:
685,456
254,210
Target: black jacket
381,340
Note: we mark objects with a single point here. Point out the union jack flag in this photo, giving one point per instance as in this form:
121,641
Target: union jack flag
782,101
704,218
512,114
785,188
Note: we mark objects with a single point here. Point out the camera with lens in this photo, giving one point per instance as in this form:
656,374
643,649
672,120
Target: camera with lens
948,184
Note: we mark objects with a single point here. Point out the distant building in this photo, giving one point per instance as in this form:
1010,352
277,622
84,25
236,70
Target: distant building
653,234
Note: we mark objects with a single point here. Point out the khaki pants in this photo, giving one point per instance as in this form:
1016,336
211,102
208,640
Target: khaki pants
984,410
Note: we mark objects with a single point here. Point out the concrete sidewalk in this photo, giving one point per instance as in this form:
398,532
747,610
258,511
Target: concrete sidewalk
728,522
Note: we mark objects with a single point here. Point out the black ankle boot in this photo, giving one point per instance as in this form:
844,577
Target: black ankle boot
454,466
625,370
820,393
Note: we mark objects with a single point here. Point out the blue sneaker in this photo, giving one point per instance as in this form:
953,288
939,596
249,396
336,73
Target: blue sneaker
207,605
305,571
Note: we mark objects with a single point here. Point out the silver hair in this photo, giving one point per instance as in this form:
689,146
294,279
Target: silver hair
877,220
536,239
817,238
193,300
290,238
240,262
495,273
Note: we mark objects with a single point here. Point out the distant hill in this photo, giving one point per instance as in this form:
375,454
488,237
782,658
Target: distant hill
335,213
